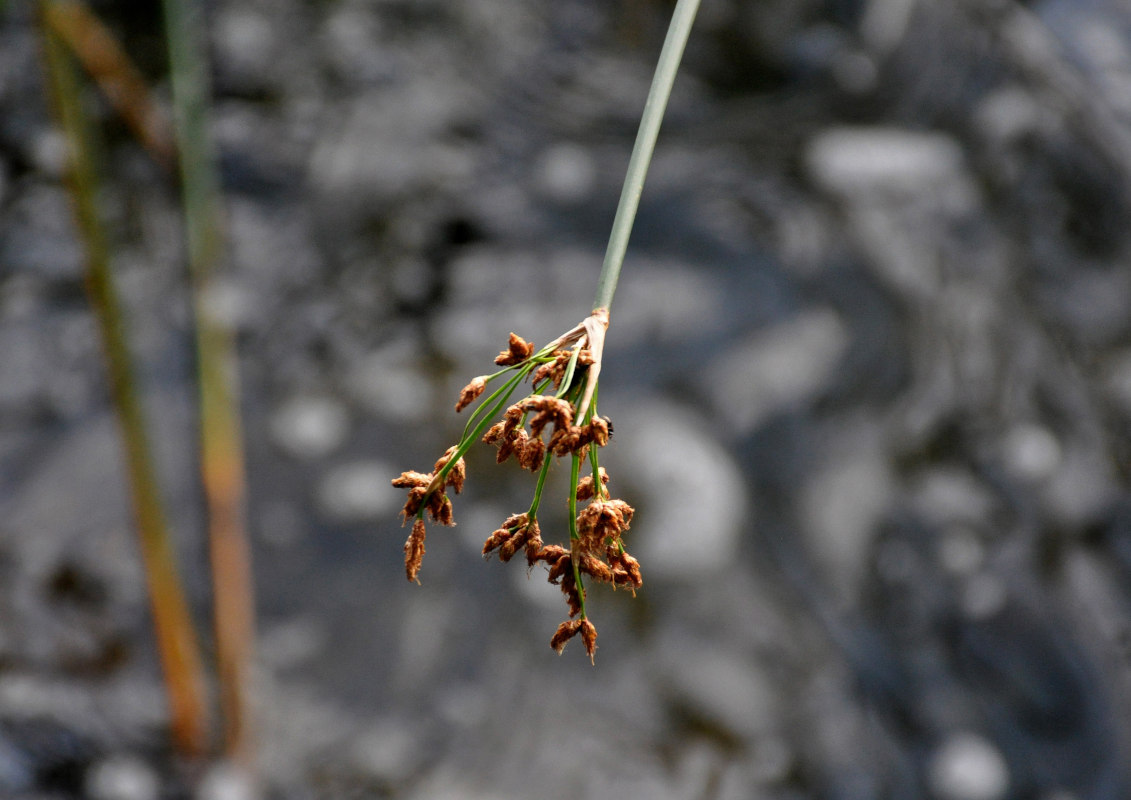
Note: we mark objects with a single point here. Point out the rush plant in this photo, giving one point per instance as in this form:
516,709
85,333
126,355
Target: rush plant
556,417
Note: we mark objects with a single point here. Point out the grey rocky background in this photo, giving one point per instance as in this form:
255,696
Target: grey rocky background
869,365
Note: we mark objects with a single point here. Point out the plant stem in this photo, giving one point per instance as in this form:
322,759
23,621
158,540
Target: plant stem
222,457
100,53
574,470
666,67
176,639
542,473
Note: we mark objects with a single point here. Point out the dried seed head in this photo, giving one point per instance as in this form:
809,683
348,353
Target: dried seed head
626,569
551,553
595,568
496,538
458,472
542,373
408,480
598,431
414,551
515,534
469,393
494,434
589,638
566,631
440,508
513,444
596,523
585,485
413,503
518,350
560,568
566,440
533,546
532,455
559,411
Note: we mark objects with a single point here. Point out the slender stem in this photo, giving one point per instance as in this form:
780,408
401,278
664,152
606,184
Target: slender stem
654,106
542,473
222,457
574,470
176,638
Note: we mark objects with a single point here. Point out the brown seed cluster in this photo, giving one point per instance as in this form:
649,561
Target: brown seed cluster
556,370
518,350
471,392
517,533
596,553
424,493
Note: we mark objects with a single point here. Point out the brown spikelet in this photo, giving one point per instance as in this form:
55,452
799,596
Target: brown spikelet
413,503
518,350
626,569
494,434
469,393
585,485
598,431
589,638
458,473
542,373
532,455
566,631
559,568
551,553
440,508
408,480
595,568
414,551
533,548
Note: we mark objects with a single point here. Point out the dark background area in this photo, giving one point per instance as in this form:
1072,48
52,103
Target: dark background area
869,366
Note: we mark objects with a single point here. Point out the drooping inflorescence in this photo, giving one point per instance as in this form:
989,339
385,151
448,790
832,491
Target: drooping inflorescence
557,417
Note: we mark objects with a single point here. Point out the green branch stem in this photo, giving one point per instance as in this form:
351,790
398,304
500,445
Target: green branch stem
654,106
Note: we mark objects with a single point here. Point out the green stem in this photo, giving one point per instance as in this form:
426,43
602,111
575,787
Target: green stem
570,369
542,473
666,68
574,471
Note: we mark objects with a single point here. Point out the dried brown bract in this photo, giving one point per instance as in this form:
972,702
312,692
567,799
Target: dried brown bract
414,550
518,350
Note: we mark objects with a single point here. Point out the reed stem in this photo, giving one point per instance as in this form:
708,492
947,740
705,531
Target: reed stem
176,639
222,457
654,106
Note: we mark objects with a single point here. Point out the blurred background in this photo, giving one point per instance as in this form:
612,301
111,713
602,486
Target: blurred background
869,367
